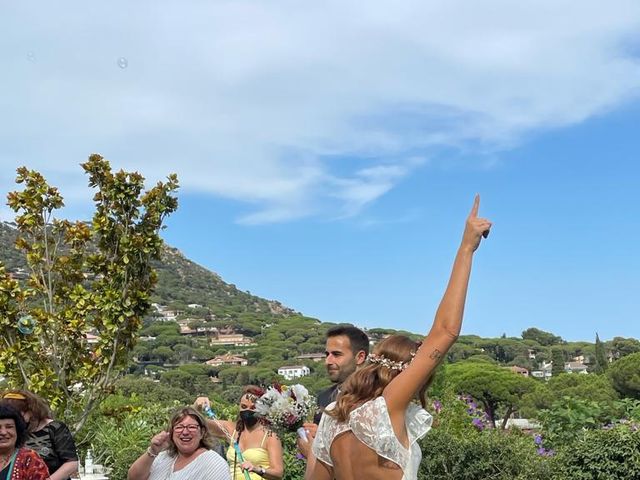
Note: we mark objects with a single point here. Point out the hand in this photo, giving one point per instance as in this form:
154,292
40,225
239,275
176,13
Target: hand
311,429
248,466
201,403
304,447
159,442
476,228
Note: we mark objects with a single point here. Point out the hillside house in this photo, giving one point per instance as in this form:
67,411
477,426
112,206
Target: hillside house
316,357
235,339
295,371
575,367
544,371
519,370
185,329
227,360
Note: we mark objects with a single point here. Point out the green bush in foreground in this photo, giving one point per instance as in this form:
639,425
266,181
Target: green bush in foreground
491,454
610,454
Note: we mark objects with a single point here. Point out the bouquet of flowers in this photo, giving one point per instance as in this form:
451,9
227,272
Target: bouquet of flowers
283,409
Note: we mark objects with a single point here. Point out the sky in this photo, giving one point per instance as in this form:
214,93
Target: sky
329,152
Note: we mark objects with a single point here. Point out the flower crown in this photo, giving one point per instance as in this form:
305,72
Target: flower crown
390,364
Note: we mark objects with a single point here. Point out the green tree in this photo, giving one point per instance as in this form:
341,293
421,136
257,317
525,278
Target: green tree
542,337
597,388
557,357
625,375
493,386
601,357
621,347
84,279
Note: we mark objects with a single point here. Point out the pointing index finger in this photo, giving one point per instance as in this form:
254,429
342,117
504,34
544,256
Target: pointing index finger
476,206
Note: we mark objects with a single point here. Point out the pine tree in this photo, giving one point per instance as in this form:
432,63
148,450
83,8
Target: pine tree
557,357
601,357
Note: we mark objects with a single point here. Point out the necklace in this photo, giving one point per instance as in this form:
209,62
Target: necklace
10,463
5,459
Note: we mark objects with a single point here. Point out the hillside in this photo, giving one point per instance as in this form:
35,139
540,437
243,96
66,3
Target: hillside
180,282
197,317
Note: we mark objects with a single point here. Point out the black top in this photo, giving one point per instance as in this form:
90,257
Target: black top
54,444
5,472
325,397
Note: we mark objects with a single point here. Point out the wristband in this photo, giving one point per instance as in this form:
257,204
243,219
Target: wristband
262,471
150,453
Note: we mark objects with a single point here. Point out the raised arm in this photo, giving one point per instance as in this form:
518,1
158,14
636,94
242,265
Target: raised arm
218,428
141,468
448,319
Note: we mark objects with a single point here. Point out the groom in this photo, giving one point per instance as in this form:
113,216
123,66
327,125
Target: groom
346,349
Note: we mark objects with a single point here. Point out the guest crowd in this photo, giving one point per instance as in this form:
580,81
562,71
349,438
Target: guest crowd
35,446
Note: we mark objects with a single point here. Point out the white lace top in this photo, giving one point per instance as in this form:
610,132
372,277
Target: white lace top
371,424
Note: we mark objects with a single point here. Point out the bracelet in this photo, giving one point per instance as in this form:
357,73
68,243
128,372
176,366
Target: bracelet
262,471
150,453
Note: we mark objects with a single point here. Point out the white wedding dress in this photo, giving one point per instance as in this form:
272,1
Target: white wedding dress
370,423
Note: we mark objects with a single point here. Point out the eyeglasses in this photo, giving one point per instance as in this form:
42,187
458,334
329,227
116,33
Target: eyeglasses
190,428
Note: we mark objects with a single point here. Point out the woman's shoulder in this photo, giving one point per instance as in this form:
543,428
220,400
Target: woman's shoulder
26,452
55,427
210,462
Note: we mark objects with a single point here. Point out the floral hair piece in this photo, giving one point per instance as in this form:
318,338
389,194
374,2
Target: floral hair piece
390,364
254,396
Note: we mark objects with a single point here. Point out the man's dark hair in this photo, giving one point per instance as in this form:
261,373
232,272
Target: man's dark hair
7,412
357,338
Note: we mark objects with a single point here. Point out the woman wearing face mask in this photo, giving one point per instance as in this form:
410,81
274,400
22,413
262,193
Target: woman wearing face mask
261,451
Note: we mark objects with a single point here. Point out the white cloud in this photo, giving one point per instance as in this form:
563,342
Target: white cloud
300,108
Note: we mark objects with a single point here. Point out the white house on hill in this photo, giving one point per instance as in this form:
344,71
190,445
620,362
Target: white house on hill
294,371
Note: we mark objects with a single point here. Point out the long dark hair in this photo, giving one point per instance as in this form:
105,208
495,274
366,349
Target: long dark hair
370,380
7,412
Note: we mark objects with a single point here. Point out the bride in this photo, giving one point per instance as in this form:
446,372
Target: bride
372,429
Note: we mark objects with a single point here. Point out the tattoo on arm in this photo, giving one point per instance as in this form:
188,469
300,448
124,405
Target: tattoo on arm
436,354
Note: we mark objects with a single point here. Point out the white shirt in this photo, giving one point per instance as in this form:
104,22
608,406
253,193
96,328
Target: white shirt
206,466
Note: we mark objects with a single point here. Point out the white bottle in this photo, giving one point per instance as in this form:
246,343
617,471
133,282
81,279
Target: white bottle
88,463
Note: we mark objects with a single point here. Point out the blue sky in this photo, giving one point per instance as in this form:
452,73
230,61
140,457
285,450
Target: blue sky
329,154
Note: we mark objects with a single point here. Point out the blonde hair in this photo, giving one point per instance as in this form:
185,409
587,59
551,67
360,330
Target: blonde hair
370,380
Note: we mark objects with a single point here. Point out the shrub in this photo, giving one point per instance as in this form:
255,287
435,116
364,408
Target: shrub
492,454
607,454
119,439
459,449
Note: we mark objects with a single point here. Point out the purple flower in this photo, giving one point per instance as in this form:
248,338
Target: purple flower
545,453
437,406
478,423
537,439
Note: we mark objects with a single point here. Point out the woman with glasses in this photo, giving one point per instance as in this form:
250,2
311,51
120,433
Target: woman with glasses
261,451
183,452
